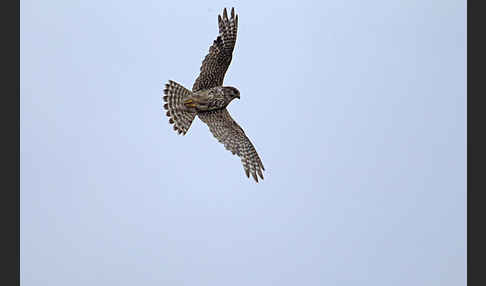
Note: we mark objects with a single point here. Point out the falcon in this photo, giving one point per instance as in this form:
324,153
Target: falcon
209,99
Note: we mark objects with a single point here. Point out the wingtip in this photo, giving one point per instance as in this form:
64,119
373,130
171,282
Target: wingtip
260,173
225,14
255,177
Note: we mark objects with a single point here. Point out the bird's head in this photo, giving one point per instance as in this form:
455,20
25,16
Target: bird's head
231,92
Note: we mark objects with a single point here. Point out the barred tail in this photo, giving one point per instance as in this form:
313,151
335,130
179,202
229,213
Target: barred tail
176,111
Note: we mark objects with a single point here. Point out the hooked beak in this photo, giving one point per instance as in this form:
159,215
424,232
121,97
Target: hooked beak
238,96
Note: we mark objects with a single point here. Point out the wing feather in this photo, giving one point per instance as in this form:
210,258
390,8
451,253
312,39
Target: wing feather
229,133
217,61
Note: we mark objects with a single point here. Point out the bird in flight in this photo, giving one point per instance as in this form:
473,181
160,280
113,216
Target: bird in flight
209,99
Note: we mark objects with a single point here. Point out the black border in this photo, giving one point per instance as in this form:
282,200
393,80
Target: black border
11,123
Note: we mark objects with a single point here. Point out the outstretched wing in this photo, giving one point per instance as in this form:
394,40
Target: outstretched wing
217,61
228,132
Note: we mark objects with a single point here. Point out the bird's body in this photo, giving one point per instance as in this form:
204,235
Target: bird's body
209,99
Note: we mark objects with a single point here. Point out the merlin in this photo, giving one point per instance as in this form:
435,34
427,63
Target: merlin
209,99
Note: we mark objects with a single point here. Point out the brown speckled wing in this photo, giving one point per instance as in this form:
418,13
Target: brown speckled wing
229,133
217,61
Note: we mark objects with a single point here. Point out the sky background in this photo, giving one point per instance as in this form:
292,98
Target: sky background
357,109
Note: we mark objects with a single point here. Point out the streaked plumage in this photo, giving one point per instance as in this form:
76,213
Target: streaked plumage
209,99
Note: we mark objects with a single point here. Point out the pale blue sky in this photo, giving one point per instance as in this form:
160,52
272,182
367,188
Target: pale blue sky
357,109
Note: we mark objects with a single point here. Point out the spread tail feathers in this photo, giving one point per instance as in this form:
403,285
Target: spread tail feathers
178,114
